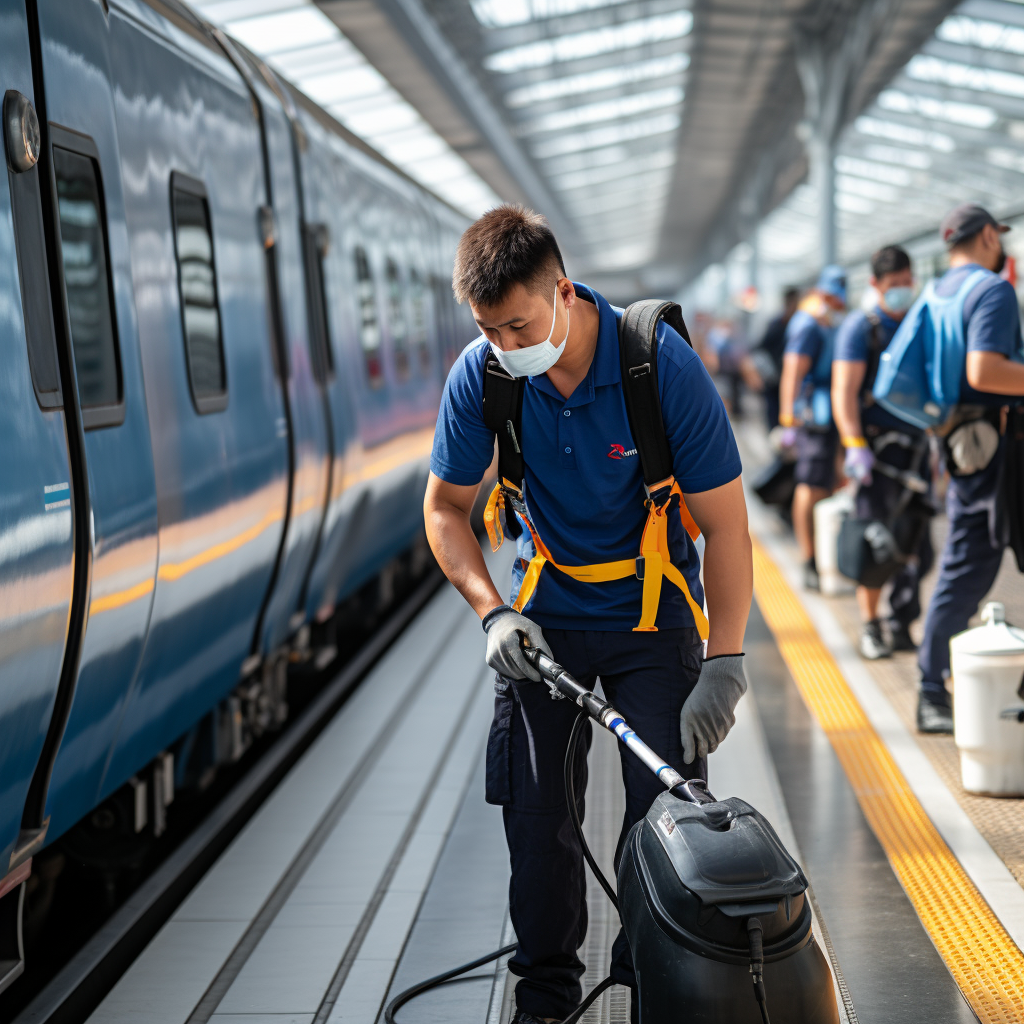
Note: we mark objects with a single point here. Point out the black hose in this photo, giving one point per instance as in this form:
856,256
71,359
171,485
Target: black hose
440,979
574,813
754,936
453,975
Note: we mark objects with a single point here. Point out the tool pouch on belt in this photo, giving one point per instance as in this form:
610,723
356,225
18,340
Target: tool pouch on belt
502,413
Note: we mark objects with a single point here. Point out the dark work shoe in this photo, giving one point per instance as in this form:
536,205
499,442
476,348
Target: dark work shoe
900,638
634,1006
811,581
934,716
522,1017
873,644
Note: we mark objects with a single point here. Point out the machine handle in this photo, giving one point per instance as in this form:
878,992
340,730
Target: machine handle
1016,714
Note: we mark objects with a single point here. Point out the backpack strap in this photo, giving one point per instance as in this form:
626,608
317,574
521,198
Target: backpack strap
638,356
503,413
874,356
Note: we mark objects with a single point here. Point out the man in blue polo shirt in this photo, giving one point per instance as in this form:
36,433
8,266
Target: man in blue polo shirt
584,505
992,378
871,435
805,411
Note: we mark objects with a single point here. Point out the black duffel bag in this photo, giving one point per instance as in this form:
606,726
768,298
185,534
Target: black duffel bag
775,484
872,550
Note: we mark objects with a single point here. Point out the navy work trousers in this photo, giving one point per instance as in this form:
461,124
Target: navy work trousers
647,677
967,569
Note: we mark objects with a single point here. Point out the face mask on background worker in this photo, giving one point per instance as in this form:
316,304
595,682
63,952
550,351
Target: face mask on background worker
898,300
536,359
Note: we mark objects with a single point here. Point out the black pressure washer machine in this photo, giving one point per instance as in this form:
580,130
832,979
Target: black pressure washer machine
714,907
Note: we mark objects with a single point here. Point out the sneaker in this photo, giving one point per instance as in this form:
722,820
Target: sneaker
900,638
811,581
873,644
934,716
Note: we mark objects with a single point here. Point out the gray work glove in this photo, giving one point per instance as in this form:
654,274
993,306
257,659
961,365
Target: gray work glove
505,630
708,713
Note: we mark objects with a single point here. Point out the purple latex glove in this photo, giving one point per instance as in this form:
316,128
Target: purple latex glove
787,438
858,463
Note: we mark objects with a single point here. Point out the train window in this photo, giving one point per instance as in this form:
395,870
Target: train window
87,290
396,320
197,288
369,328
420,332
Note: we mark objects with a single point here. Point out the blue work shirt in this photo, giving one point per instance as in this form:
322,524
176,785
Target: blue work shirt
991,324
584,485
806,337
852,345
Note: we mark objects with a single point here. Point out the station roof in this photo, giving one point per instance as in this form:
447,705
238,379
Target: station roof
653,134
948,128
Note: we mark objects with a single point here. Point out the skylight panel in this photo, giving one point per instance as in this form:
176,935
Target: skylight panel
989,35
221,11
591,43
609,135
902,157
287,30
854,204
503,13
877,172
595,81
607,110
867,189
1010,159
904,133
344,86
965,76
970,114
621,170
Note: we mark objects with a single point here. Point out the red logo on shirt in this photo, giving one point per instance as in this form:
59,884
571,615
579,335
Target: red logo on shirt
619,452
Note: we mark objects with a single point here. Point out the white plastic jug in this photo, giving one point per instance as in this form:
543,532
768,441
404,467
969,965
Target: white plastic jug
828,521
988,677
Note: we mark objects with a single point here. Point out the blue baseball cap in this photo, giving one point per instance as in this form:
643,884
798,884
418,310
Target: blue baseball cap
832,281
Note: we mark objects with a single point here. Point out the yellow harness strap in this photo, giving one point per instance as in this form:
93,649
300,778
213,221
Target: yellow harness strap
657,562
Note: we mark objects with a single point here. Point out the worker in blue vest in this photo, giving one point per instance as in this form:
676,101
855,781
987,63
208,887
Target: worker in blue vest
805,407
582,505
993,378
871,435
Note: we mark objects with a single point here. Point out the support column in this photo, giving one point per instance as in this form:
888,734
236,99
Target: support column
830,58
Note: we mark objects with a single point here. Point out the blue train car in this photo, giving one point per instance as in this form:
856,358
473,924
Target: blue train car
224,330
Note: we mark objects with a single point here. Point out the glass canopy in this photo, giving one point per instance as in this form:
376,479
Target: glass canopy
308,49
949,129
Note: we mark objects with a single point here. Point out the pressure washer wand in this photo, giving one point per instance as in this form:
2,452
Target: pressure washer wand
562,684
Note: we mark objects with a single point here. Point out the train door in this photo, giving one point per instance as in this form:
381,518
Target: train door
96,321
36,518
195,197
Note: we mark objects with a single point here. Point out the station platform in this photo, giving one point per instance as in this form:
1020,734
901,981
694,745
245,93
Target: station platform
376,862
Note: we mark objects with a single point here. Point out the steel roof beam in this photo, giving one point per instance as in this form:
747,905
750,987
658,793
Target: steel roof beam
417,31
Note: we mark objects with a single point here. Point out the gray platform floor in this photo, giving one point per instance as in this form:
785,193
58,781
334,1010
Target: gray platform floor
377,863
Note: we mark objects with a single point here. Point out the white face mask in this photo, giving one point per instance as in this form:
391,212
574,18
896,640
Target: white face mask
537,359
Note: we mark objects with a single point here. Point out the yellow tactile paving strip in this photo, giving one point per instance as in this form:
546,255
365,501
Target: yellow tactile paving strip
980,955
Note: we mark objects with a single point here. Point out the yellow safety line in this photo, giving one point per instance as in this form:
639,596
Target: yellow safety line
981,956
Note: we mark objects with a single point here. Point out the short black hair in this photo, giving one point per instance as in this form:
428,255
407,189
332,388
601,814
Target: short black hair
790,295
508,245
890,259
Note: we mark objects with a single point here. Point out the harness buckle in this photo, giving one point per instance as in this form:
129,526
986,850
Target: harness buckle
640,566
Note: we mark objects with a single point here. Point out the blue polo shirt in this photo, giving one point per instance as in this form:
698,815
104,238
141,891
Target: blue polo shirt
806,337
584,485
851,346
